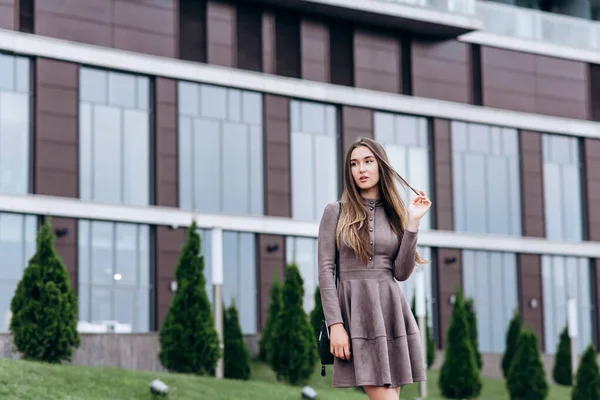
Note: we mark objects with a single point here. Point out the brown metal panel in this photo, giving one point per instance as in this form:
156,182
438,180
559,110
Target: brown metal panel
535,83
169,243
167,173
377,61
449,278
221,48
66,246
532,181
592,184
56,167
531,295
8,14
356,122
65,26
442,70
270,264
314,44
268,43
278,197
442,151
594,73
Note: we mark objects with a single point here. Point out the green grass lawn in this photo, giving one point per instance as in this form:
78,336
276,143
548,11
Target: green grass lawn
21,380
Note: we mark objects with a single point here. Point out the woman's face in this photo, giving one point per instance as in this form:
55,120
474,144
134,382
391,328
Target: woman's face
365,169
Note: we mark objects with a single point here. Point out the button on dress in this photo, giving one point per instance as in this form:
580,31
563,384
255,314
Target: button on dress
384,336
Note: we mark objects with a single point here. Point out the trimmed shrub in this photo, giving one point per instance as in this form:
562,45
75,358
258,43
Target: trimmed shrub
294,346
526,376
189,342
237,363
512,336
587,379
316,315
44,307
562,371
473,333
266,338
459,376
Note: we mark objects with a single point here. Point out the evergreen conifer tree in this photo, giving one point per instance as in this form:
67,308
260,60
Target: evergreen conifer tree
561,373
512,336
44,307
473,332
316,315
189,342
587,379
526,375
459,376
275,305
236,356
294,346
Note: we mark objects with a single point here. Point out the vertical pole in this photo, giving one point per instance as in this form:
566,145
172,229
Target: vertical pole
421,313
217,281
572,329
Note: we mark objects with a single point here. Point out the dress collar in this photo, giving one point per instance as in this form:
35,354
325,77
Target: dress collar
372,202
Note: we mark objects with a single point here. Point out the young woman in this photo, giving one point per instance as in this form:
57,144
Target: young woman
373,333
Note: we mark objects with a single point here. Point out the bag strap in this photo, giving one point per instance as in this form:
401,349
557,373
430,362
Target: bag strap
337,252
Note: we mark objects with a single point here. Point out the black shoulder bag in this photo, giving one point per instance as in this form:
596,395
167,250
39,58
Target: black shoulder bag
324,351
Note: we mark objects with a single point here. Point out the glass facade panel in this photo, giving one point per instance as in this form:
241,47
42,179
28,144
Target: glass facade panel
490,279
563,278
406,142
303,252
485,168
220,149
314,158
239,274
562,188
409,286
114,137
17,245
114,273
15,124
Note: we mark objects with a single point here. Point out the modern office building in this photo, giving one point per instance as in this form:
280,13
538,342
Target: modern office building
126,119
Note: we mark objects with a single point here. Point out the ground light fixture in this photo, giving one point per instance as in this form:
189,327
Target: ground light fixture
309,393
158,387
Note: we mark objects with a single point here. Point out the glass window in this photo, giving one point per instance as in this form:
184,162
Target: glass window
562,187
563,278
17,246
406,142
485,169
220,149
239,274
303,252
409,286
490,279
314,158
115,282
114,137
15,125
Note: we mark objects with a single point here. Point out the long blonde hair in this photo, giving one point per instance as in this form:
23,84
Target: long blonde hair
353,228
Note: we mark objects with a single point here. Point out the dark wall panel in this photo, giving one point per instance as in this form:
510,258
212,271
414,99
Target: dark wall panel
356,122
166,184
249,37
442,160
449,277
592,174
221,47
192,30
270,264
66,247
532,181
8,14
377,61
314,47
595,91
442,70
142,26
532,83
531,295
341,50
167,249
287,44
56,138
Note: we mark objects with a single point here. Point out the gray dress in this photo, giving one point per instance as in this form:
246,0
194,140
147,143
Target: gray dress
384,337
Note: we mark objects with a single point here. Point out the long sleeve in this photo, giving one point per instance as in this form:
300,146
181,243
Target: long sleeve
326,259
405,260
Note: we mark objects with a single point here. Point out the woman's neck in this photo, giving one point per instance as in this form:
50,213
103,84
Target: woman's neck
372,193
